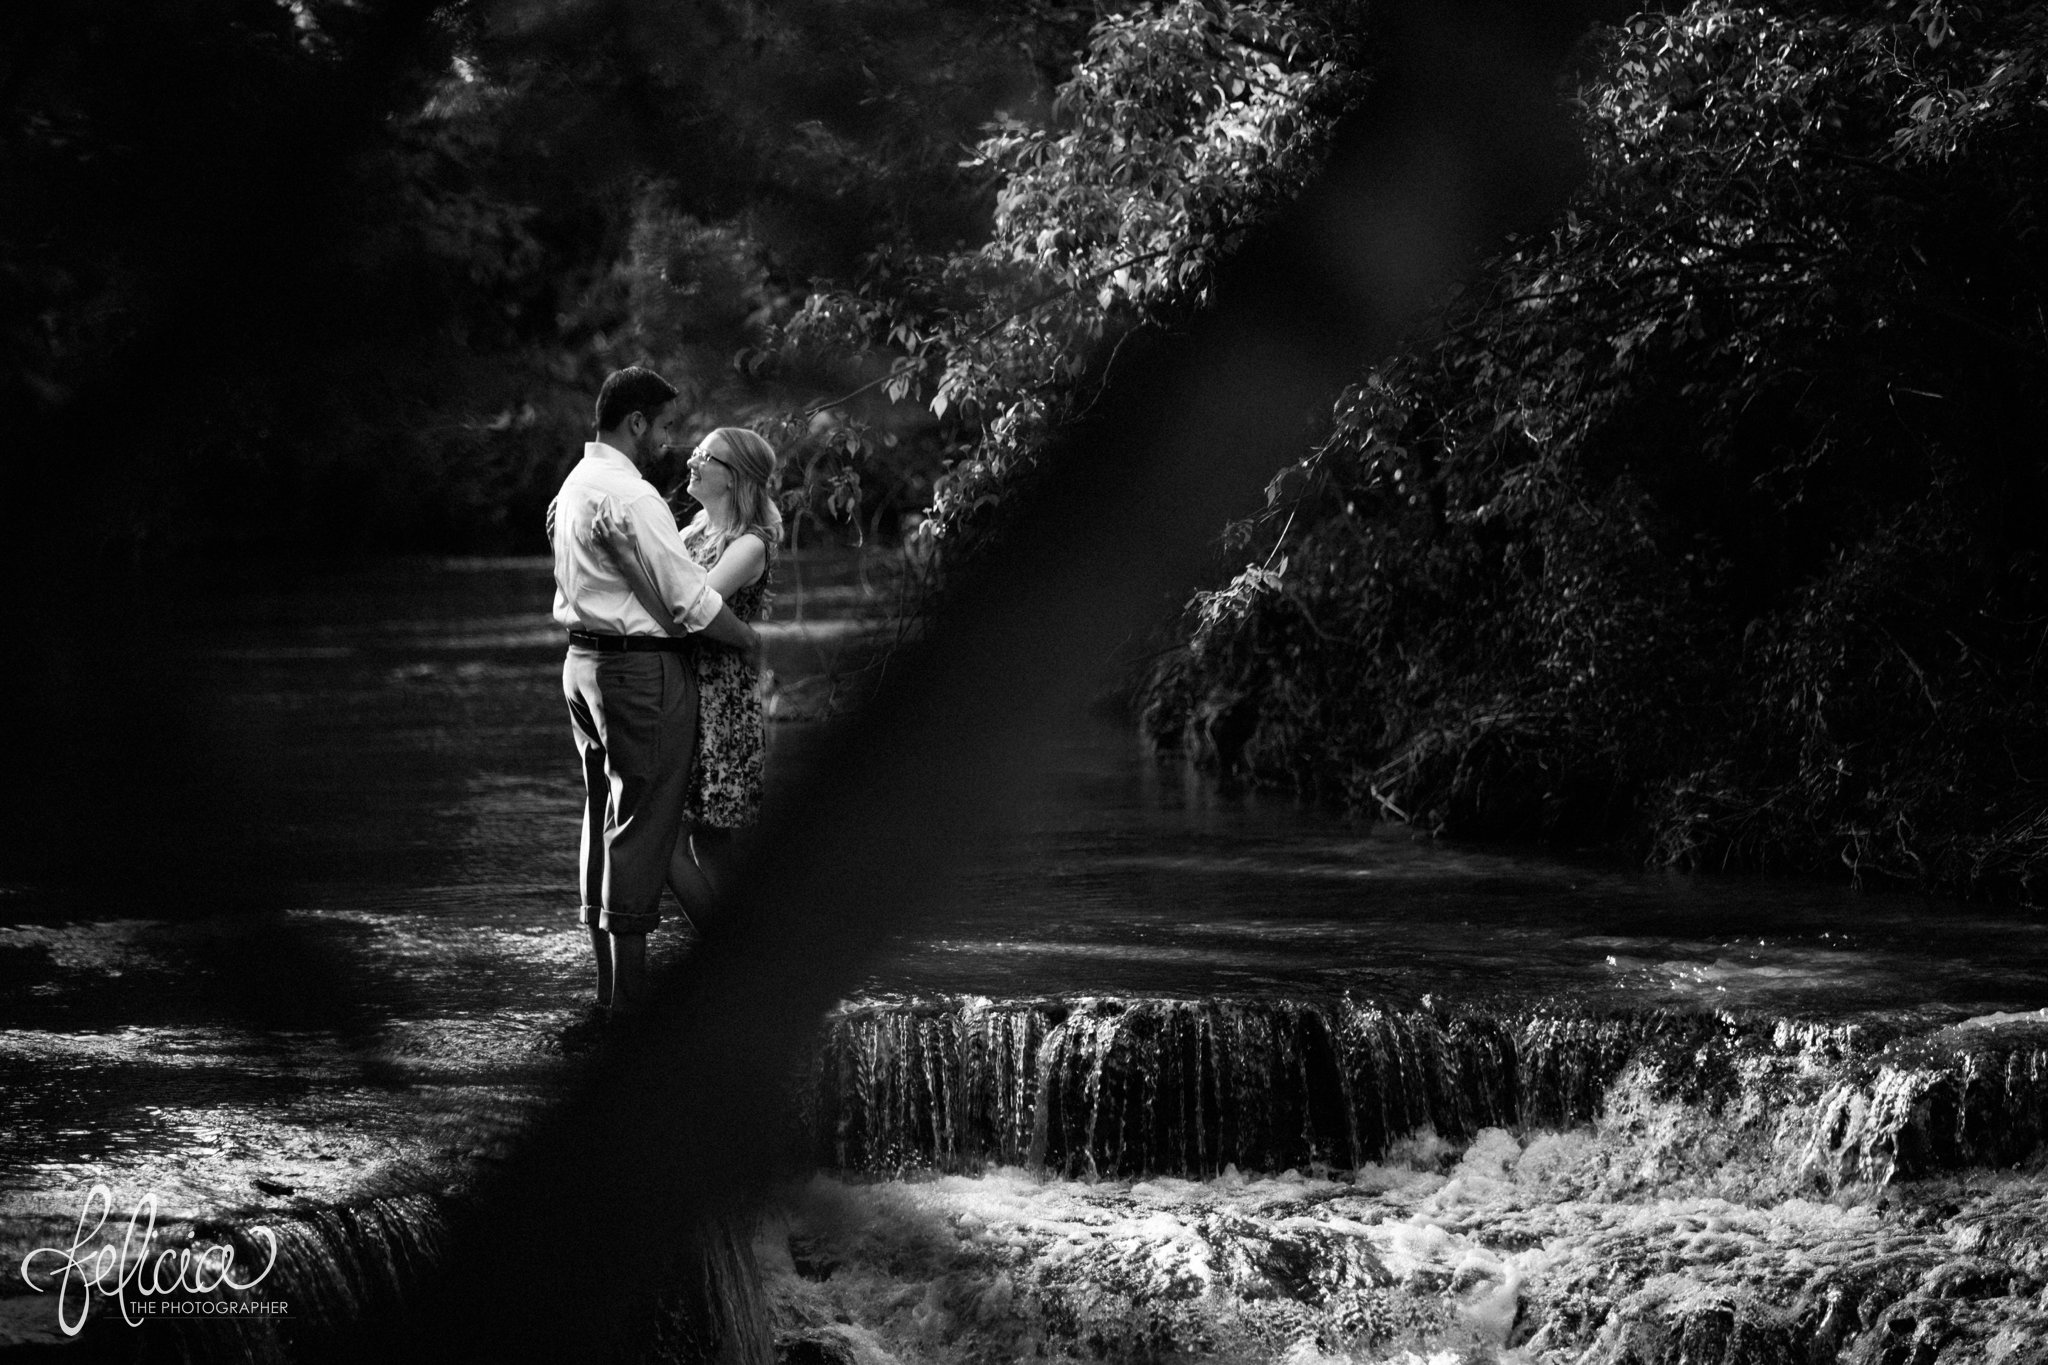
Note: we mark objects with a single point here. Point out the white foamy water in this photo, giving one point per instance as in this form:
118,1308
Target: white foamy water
1604,1244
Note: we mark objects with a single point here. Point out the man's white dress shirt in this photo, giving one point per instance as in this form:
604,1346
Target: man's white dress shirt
590,592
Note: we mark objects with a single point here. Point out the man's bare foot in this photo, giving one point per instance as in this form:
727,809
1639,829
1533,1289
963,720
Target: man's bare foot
601,952
629,973
585,1031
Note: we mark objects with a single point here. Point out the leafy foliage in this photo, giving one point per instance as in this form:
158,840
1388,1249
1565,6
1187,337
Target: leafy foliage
1706,525
347,272
1178,131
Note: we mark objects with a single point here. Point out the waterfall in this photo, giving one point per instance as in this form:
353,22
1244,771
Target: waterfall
1952,1099
334,1266
1640,1187
1097,1086
342,1266
1711,1132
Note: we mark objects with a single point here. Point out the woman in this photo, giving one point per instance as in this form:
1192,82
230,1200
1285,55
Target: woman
734,536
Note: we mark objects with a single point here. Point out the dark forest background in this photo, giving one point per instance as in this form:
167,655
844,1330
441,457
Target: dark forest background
1700,526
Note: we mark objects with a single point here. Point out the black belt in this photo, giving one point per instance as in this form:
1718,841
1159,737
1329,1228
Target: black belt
631,644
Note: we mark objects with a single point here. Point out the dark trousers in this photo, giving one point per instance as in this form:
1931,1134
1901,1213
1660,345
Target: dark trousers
634,717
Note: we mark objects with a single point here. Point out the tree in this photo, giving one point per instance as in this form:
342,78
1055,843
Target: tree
1702,524
1179,131
406,232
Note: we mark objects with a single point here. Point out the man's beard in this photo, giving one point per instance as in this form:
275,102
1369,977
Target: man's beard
667,470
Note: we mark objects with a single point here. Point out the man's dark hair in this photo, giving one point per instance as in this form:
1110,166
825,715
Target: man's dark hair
633,389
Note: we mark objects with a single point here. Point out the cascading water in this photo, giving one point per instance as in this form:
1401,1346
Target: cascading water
321,1267
1141,1178
1336,1180
337,1268
1127,1087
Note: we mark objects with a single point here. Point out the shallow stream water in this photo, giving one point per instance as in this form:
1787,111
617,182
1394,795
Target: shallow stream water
378,1017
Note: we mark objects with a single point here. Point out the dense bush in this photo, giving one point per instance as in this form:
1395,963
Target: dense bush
1707,525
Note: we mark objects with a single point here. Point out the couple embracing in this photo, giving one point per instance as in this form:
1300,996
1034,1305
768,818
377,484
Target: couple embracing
660,675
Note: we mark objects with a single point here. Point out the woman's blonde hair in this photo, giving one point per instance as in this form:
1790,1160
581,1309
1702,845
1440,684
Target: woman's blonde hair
751,460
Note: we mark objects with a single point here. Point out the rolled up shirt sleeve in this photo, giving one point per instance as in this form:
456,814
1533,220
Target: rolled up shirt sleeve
682,584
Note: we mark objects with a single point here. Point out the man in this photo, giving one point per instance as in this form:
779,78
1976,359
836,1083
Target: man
631,685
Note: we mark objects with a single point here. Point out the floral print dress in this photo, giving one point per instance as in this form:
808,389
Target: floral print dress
732,728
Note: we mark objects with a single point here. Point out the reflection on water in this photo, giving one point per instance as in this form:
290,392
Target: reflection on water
396,736
1130,876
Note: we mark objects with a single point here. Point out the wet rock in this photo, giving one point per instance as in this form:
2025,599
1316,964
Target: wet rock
811,1258
713,1311
1971,1279
1299,1259
1944,1101
1677,1324
1427,1279
1911,1332
1825,1318
838,1345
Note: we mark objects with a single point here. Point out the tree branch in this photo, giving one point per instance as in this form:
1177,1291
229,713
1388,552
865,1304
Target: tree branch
985,333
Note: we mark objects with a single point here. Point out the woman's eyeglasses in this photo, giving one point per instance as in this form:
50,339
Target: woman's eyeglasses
700,453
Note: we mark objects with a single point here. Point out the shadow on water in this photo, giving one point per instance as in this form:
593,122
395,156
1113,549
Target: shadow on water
387,805
322,972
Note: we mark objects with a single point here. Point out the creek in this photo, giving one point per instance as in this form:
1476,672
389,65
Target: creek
1178,1075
